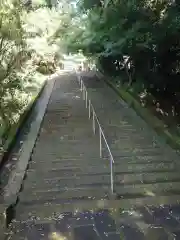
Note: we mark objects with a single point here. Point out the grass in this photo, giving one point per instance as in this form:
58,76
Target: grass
158,125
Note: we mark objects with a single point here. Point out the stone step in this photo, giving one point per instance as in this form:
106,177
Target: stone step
70,174
146,167
124,191
37,154
64,185
64,195
80,122
59,164
53,157
59,144
58,148
47,211
119,180
129,178
135,151
119,168
68,139
143,190
38,212
126,153
146,178
97,180
85,133
133,145
144,158
119,177
37,158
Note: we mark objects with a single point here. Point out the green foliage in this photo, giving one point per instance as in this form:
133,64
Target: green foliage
146,32
28,52
13,54
136,41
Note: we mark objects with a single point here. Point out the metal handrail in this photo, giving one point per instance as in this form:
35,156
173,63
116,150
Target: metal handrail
101,132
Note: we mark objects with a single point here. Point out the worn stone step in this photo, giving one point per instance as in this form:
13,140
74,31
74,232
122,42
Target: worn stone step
99,163
134,151
126,153
100,182
63,195
71,159
67,136
68,162
25,212
66,182
65,146
55,155
37,157
68,174
78,129
71,118
121,178
144,158
67,154
68,139
78,126
49,144
143,190
118,169
130,143
146,178
105,164
53,159
83,178
134,146
128,191
44,211
67,120
71,149
64,185
145,167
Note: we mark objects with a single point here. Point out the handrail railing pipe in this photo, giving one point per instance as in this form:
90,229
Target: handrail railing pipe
89,109
95,120
86,99
100,142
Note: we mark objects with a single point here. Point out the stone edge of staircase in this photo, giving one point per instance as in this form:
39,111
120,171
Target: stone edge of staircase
13,187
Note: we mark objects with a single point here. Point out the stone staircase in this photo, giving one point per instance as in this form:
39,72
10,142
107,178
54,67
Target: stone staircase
65,166
145,167
66,190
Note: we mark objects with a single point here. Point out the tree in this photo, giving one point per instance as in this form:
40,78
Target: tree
13,55
27,52
144,32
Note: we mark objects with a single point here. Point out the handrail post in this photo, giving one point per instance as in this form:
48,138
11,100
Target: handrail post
94,127
86,99
83,93
81,85
112,183
100,142
89,109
